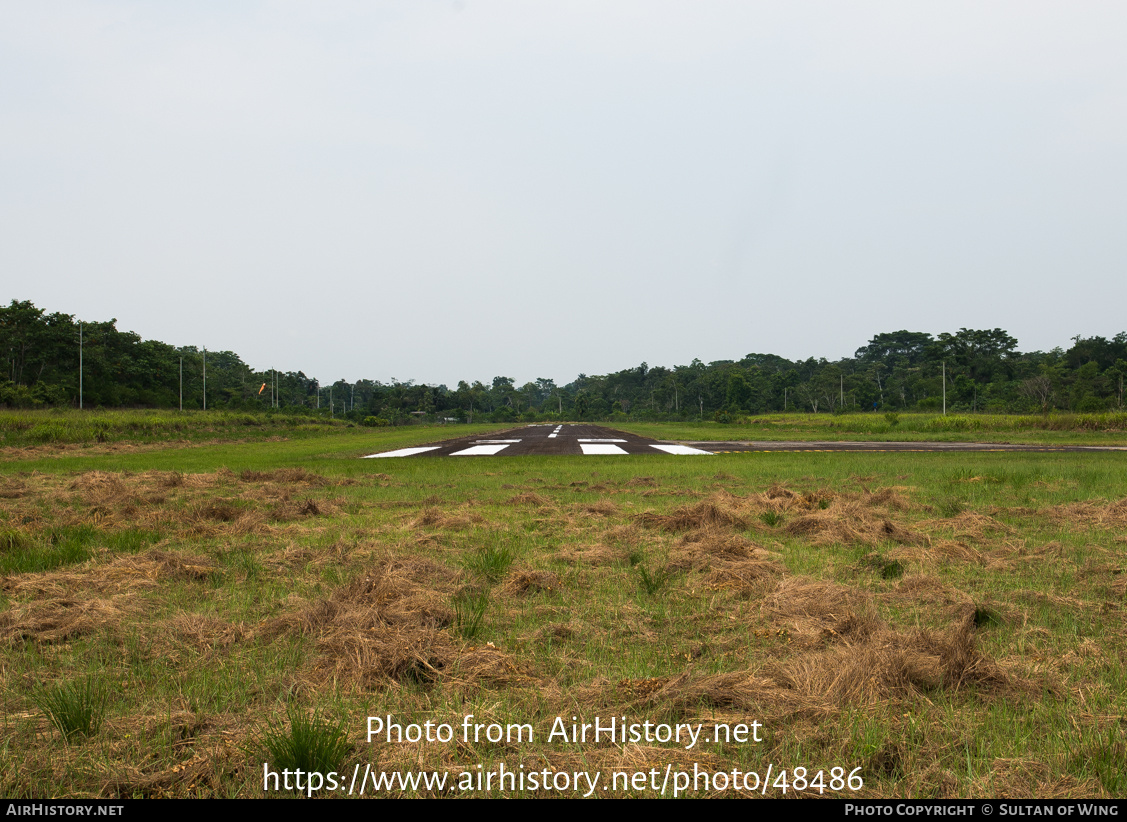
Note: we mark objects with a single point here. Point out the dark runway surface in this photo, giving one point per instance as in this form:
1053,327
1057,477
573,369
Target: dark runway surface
545,440
594,440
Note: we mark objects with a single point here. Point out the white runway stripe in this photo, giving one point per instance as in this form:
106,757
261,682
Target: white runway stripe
680,449
583,440
600,448
404,452
481,450
491,442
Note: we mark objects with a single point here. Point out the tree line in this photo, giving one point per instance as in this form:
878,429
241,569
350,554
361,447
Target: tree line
970,370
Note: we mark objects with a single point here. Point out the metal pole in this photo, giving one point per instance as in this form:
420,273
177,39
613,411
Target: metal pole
945,388
181,383
205,379
80,366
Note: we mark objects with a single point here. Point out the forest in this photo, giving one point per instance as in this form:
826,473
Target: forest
965,371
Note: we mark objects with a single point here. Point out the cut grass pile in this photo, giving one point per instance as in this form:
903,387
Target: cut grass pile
948,624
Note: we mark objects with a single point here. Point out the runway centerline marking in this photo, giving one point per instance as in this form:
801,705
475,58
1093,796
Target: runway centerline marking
583,440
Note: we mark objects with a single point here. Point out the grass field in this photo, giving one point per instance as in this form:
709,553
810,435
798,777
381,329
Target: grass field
1059,429
175,614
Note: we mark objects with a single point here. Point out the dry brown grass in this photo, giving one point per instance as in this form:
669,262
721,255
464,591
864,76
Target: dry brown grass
531,582
120,575
202,632
701,515
285,476
389,625
874,666
435,518
851,522
63,618
1090,515
814,611
968,525
1023,778
734,636
603,508
530,498
730,562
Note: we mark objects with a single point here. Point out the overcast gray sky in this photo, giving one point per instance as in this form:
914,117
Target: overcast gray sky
438,190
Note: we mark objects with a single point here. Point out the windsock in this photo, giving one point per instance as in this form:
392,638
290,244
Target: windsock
263,388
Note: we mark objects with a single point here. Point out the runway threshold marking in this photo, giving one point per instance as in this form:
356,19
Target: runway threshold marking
405,452
482,450
681,450
592,448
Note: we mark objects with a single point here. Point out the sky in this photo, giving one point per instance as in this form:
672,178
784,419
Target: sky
439,190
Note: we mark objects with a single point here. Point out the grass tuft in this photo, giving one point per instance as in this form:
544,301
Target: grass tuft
469,612
986,617
75,708
654,583
1105,758
312,743
491,562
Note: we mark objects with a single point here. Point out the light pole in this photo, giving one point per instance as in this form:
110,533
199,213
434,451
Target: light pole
945,388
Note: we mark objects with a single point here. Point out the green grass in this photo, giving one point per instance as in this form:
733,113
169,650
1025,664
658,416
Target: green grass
21,553
75,708
203,628
653,584
311,744
1062,429
469,612
491,561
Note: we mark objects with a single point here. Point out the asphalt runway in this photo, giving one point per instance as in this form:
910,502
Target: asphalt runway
594,440
544,440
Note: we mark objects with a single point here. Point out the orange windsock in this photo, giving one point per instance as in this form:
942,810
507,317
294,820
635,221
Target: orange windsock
263,388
